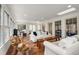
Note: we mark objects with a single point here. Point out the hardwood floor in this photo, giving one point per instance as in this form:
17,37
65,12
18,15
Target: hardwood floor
34,51
36,48
11,51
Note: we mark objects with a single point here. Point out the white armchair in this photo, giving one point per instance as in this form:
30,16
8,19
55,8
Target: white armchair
55,48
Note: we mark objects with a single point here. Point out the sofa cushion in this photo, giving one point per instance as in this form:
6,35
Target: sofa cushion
33,38
77,36
67,42
54,48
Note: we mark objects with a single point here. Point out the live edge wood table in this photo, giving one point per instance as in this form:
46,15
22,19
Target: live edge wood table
50,38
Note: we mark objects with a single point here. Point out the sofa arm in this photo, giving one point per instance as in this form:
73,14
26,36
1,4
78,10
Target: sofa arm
54,48
74,49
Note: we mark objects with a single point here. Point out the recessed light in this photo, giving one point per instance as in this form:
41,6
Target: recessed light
42,17
69,6
25,15
67,11
37,21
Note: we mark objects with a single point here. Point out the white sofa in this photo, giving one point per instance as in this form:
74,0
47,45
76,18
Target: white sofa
67,46
39,36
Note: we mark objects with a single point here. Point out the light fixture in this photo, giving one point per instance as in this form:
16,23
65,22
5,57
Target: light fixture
67,11
42,18
20,20
69,6
25,15
37,22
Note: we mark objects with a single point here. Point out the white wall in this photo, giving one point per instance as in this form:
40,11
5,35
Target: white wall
46,26
63,22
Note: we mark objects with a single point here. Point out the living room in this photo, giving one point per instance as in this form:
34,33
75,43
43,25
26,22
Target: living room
51,29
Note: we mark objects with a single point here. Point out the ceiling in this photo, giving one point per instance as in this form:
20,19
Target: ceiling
37,12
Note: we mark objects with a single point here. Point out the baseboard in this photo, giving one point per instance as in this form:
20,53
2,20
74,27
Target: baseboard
4,48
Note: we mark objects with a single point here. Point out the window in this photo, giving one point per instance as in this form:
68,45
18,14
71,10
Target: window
58,28
0,14
0,27
24,26
6,19
34,28
50,27
39,27
1,35
71,26
30,27
11,25
5,27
